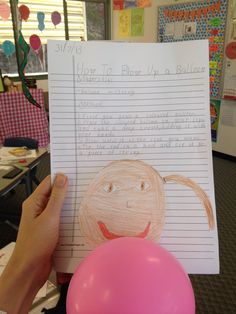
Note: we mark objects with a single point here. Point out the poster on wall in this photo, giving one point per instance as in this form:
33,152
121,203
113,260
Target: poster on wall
131,22
194,21
124,23
137,22
215,116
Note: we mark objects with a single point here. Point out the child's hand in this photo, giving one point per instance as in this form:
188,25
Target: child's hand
31,261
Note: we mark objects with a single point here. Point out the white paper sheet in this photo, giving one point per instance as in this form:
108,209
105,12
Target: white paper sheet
169,29
112,101
179,30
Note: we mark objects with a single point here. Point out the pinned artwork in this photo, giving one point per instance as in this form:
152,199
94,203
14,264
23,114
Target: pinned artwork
24,12
41,17
215,116
8,48
213,47
216,21
124,23
56,18
190,28
118,4
5,11
130,4
144,3
35,42
137,22
127,198
214,32
170,28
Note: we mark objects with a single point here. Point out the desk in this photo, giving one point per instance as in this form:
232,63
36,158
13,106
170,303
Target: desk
32,162
7,185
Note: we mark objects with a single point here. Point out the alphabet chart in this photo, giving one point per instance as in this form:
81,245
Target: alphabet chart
138,101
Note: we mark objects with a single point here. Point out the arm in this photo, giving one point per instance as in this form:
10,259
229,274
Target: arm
31,261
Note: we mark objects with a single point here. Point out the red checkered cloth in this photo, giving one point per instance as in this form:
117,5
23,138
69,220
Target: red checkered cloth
19,118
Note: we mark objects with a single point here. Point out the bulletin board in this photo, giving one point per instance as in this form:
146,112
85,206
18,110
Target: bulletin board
194,21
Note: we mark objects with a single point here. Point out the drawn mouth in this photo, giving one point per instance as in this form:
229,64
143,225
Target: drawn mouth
110,235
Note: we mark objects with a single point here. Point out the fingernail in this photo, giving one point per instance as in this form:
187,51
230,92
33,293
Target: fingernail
60,180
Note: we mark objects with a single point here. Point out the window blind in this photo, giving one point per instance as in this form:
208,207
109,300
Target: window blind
6,30
76,21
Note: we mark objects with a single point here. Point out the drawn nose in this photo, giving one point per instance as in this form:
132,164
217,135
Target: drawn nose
129,204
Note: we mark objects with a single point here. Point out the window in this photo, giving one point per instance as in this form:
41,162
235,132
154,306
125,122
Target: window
7,61
95,17
80,20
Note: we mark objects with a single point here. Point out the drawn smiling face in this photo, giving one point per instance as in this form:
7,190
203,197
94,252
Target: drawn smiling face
125,199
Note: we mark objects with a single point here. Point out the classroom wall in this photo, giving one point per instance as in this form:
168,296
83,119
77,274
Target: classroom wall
226,141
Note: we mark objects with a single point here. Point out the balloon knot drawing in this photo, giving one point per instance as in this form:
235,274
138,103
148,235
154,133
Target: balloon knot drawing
127,199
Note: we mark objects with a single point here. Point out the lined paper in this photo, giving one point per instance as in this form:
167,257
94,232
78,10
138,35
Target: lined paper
150,102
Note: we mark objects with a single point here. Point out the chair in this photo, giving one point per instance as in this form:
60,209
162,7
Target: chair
21,141
19,118
31,144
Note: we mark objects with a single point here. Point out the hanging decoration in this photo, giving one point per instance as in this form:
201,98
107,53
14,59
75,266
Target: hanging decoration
25,49
40,18
24,12
5,11
192,14
8,48
35,42
56,18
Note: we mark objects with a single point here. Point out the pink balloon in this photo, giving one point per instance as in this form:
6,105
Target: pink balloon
5,11
56,18
35,42
130,276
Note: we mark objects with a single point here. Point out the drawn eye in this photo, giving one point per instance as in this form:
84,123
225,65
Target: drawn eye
110,187
143,186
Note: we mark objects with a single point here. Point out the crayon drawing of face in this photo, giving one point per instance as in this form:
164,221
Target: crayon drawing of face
125,199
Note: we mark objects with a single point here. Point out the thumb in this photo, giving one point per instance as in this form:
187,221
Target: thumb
57,196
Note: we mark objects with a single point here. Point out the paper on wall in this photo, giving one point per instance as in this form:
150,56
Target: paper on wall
178,30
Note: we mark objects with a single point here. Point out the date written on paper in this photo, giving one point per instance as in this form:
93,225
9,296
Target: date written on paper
69,48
